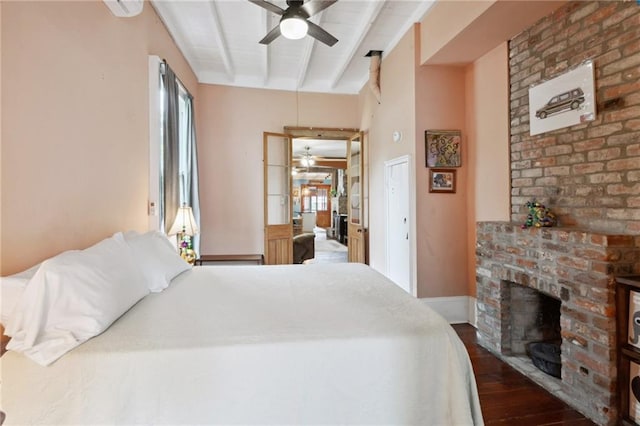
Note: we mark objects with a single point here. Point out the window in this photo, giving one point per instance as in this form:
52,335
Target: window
178,171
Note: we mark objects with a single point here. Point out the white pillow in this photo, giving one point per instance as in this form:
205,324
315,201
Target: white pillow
11,289
158,259
73,297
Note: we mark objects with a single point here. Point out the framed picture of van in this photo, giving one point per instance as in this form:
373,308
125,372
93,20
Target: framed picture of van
563,101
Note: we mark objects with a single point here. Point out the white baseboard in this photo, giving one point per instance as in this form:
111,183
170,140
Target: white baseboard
456,309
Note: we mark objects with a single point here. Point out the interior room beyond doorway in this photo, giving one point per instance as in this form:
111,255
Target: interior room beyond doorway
319,193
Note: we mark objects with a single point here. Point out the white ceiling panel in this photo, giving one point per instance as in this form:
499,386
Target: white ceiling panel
220,40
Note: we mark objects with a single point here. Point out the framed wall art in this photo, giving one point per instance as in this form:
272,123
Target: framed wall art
442,180
443,148
634,391
563,101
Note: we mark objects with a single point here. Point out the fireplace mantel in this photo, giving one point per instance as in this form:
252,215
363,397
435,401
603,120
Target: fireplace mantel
578,267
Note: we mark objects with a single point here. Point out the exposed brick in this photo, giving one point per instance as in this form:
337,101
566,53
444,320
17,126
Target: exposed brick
603,154
618,17
624,164
544,162
631,48
622,64
587,168
620,241
632,125
589,145
633,150
584,12
624,138
569,159
604,130
624,214
587,312
589,175
558,150
606,58
558,171
604,178
624,114
595,16
622,89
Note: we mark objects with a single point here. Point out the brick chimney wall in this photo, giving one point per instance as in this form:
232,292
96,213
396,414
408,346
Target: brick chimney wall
575,267
588,174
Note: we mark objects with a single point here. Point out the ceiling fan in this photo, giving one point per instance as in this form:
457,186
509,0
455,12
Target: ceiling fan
295,23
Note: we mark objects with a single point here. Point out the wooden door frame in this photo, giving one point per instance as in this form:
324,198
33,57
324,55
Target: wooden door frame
283,232
316,185
357,232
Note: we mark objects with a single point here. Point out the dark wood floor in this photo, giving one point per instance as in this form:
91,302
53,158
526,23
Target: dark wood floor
507,397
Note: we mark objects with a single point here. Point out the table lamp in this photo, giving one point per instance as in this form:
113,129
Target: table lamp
185,227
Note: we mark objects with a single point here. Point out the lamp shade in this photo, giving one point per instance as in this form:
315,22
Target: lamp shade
185,222
293,27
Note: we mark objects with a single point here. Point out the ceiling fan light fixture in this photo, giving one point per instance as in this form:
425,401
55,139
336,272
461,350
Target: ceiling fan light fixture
293,27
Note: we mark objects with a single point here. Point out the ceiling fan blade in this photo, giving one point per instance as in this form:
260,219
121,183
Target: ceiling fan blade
321,35
314,6
269,6
271,35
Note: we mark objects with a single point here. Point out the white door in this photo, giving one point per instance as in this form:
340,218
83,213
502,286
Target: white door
398,221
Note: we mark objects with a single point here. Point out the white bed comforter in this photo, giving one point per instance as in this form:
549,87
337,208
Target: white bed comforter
296,344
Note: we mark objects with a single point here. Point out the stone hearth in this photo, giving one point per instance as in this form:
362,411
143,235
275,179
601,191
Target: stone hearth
576,267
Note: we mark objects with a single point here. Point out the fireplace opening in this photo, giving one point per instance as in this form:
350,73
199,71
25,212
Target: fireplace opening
535,328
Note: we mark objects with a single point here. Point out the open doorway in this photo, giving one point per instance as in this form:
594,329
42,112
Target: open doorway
320,194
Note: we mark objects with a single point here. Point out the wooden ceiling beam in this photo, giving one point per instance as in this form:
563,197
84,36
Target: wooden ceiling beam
320,132
323,162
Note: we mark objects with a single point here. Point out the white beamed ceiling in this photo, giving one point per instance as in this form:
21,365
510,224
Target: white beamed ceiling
220,39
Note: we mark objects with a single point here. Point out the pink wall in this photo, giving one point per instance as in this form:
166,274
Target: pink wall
395,112
441,218
230,123
75,124
445,21
473,99
487,112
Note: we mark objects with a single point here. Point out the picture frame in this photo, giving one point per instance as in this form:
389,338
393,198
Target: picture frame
443,148
633,331
563,101
442,181
633,388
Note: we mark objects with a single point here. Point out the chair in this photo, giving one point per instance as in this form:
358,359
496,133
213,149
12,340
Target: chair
304,247
308,222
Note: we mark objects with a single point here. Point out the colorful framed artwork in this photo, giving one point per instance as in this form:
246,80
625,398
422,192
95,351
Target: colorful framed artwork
443,148
563,101
442,180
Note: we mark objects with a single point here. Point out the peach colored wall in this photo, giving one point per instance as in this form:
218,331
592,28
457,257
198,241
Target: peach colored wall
488,122
1,257
75,126
444,21
230,123
395,112
487,96
441,218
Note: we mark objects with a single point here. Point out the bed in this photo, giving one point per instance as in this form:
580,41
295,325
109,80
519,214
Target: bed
293,344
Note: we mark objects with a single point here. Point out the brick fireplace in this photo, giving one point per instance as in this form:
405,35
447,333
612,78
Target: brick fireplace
572,266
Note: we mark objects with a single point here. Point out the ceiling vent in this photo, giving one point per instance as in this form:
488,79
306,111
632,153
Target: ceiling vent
125,8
